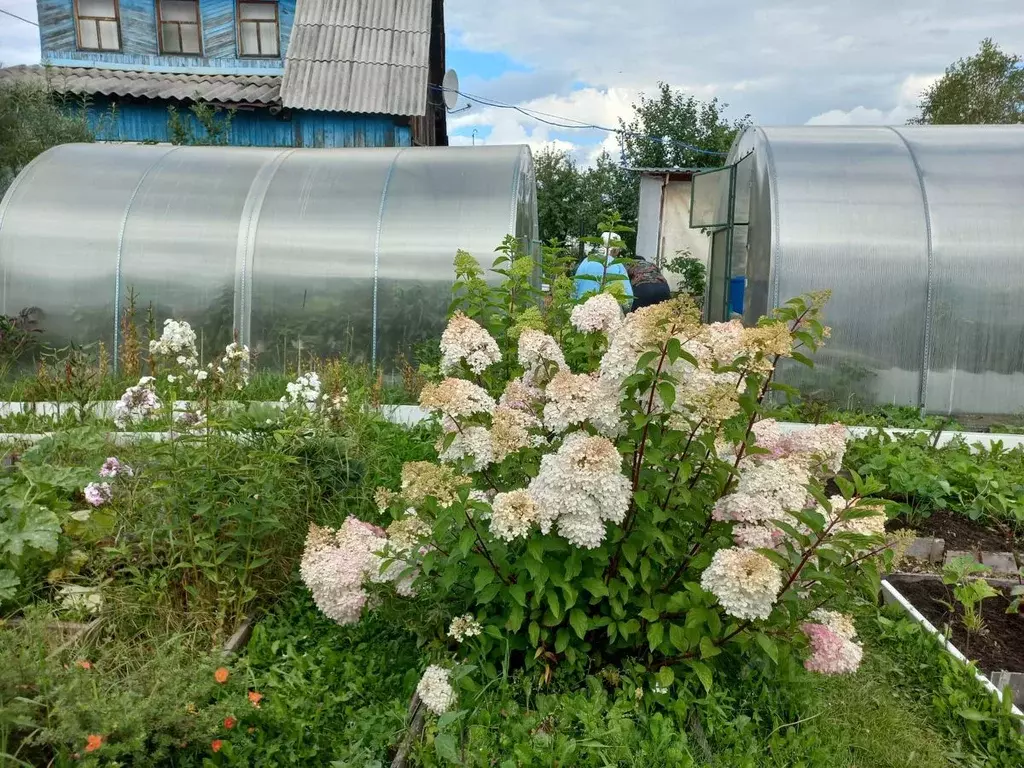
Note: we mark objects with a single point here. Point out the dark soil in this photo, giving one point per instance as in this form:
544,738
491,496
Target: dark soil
999,647
959,532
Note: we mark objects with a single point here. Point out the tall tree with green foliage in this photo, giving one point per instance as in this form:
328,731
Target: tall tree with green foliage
984,89
558,194
34,118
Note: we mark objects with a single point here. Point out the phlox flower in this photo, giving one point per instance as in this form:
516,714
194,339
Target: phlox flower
138,403
112,468
177,343
97,494
304,392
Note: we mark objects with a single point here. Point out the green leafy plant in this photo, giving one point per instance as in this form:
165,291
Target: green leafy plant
969,590
692,275
510,541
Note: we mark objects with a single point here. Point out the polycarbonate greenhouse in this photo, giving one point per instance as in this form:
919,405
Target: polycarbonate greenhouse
332,252
919,233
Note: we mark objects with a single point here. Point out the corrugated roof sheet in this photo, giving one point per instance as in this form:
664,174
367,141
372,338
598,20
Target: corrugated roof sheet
367,56
224,89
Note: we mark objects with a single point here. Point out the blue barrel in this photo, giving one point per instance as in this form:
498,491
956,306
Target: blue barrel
736,286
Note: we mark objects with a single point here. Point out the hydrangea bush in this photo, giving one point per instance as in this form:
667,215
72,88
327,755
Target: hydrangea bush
606,491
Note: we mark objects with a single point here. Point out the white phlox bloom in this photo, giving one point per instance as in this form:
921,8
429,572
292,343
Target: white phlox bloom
745,582
303,392
600,313
137,404
581,487
465,340
435,690
463,627
513,514
177,342
538,352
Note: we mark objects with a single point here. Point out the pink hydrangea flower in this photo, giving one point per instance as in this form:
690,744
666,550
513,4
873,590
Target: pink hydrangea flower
831,652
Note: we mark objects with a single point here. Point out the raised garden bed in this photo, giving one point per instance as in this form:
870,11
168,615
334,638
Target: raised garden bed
958,531
999,652
999,647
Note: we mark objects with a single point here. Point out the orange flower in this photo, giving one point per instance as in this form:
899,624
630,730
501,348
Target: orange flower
229,722
221,675
84,664
216,744
255,697
93,742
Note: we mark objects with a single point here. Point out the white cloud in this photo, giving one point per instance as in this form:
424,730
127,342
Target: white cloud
907,101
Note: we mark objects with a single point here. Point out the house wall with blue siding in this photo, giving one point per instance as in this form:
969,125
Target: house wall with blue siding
139,49
148,122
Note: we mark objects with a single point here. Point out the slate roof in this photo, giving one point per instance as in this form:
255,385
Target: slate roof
368,56
224,89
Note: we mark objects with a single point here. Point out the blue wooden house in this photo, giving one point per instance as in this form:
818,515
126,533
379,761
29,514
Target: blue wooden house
294,73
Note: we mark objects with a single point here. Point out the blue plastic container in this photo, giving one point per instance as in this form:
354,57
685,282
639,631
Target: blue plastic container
736,287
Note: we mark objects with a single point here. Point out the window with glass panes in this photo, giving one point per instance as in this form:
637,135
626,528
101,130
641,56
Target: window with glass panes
258,28
179,26
98,24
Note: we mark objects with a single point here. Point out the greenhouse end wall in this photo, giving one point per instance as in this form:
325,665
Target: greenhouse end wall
917,232
345,252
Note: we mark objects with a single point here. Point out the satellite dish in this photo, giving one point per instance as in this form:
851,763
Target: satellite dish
450,86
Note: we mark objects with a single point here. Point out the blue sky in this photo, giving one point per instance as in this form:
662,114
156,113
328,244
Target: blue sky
781,61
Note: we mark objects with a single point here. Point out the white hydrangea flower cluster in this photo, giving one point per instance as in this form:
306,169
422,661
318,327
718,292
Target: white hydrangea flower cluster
435,690
513,514
872,525
463,627
472,445
407,533
456,399
178,343
336,564
520,396
304,392
824,444
600,313
573,399
765,494
834,650
510,431
539,353
745,582
579,488
137,404
465,340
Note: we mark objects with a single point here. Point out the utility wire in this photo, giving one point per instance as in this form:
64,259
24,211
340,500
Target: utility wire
19,18
558,121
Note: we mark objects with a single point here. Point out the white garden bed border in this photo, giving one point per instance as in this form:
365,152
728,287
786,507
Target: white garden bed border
892,595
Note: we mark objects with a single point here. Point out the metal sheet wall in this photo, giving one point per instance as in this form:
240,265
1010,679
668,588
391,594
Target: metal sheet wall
917,233
330,252
974,185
